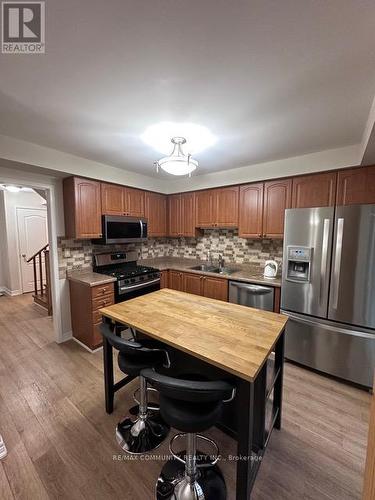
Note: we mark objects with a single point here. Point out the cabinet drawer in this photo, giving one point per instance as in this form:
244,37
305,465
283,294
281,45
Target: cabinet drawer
100,302
99,291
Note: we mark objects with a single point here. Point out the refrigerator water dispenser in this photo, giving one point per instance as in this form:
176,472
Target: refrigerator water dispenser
299,264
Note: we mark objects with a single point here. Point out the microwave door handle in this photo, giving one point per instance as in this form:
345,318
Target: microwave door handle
337,266
140,222
323,265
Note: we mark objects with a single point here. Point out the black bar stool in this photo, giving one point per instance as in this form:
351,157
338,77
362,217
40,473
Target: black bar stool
148,430
190,406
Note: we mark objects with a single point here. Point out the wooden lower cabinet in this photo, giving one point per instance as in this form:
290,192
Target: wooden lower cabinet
85,303
176,281
193,283
215,288
197,284
164,279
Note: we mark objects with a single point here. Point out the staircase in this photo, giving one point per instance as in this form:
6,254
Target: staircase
42,279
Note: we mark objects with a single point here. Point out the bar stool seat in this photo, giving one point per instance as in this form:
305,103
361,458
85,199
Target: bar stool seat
191,406
183,415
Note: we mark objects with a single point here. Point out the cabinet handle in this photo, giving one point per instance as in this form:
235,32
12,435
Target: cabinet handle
260,235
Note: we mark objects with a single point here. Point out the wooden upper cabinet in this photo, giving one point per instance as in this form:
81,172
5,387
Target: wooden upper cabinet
112,199
226,205
277,198
156,214
82,208
134,202
317,190
204,208
174,215
119,200
356,186
181,215
251,211
217,207
188,215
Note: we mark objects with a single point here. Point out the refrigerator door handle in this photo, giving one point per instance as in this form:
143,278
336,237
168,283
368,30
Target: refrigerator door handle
308,321
324,261
337,267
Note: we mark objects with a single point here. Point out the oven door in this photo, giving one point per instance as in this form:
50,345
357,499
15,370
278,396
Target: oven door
118,229
131,291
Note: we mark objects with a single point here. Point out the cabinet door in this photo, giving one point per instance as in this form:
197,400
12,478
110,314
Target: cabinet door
156,214
277,197
112,199
205,208
356,186
215,288
82,207
134,202
227,207
318,190
176,280
193,283
251,211
164,279
187,214
174,215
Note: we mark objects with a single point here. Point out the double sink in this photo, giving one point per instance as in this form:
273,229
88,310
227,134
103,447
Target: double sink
208,268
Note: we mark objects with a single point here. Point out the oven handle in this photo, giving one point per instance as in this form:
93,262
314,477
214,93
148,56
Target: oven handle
125,289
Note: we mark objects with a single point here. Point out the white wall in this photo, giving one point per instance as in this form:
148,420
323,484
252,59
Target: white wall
4,274
9,229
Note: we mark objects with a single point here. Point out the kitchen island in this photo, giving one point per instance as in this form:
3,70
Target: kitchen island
222,341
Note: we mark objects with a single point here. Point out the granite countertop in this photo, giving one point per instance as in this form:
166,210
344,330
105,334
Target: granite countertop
88,277
244,272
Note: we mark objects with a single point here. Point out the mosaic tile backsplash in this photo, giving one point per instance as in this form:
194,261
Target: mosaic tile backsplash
78,254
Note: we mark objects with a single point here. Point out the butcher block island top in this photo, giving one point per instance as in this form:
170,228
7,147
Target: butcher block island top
235,338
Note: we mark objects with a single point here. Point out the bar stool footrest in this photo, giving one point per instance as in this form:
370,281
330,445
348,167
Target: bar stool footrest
172,483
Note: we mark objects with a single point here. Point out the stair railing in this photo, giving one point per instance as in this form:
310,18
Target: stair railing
42,292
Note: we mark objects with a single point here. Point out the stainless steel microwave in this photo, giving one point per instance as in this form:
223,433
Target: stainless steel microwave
120,229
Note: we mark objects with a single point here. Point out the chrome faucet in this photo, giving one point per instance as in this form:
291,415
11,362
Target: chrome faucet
221,262
209,257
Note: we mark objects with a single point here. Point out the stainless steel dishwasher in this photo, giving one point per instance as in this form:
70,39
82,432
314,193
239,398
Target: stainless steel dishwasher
246,294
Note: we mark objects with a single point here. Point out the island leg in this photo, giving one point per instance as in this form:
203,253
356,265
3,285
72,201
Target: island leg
245,395
108,375
279,364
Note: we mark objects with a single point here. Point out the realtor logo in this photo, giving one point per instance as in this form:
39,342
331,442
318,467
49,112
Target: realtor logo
23,28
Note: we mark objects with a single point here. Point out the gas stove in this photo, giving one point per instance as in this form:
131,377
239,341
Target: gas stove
132,279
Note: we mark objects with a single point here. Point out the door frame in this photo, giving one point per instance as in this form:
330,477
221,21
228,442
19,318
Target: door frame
18,239
51,189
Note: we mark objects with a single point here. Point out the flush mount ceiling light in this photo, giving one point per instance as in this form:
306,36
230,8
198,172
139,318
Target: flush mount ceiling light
158,136
177,163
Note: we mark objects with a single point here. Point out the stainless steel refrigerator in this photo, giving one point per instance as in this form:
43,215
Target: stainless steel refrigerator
328,290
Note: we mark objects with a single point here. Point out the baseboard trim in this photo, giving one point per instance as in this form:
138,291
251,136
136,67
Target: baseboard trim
10,293
92,351
66,336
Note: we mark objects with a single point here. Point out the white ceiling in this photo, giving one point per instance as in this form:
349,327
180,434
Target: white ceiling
271,79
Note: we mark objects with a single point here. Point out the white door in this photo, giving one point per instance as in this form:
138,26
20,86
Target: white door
32,236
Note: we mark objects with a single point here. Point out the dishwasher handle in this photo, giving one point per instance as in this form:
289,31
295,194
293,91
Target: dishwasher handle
253,289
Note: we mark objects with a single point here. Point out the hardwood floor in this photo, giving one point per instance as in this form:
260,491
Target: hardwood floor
61,442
